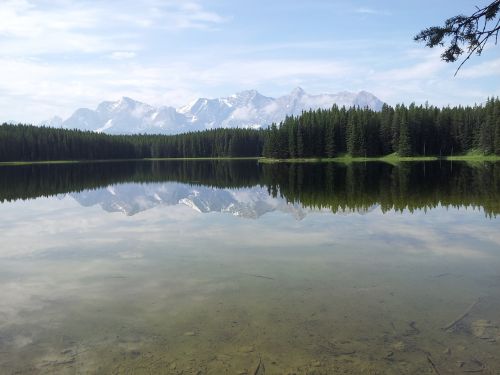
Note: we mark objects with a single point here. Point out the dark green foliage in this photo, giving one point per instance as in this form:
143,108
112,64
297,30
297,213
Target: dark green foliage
31,143
497,132
386,116
404,148
409,131
330,149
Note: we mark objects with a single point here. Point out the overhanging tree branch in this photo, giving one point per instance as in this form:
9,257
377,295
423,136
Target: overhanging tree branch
464,34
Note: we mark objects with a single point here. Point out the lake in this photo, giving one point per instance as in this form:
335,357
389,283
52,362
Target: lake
236,267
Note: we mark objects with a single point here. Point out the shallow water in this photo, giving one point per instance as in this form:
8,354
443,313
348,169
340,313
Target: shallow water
239,268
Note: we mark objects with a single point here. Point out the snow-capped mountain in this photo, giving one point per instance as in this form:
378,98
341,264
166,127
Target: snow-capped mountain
126,116
131,199
249,203
244,109
54,122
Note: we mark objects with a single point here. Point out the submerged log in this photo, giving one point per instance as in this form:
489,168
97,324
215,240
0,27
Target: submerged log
433,366
462,316
260,369
259,276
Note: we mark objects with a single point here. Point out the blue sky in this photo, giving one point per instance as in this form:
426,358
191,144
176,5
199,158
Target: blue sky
56,56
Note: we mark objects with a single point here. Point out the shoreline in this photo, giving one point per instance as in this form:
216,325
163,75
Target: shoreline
387,159
13,163
338,159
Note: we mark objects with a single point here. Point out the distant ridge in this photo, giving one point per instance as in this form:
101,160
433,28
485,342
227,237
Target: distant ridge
247,109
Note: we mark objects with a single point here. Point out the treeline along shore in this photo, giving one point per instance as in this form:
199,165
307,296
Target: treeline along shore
336,187
402,131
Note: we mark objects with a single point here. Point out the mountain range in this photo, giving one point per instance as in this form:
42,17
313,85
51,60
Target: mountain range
249,203
132,199
246,109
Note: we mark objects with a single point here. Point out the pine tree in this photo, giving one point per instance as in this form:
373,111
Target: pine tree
292,138
487,127
386,129
351,133
300,142
497,127
395,128
330,139
404,137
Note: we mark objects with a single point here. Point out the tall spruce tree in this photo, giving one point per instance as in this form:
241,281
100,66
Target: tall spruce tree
497,126
330,149
404,148
386,129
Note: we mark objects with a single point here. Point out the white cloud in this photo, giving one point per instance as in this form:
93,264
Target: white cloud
22,18
122,55
59,55
252,73
416,70
485,69
60,88
191,15
32,28
366,10
28,29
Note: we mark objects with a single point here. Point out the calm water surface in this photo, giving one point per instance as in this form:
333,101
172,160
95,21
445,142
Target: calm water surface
241,268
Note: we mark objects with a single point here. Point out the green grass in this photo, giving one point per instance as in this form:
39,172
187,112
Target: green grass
392,158
395,157
472,157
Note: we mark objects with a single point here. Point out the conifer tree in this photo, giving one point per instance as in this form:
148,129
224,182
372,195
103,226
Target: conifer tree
330,139
497,127
292,139
386,129
300,142
404,137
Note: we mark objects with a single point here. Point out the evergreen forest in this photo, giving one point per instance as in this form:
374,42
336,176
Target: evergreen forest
407,131
325,133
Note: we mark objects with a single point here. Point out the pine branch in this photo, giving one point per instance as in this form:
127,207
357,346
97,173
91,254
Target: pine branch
472,31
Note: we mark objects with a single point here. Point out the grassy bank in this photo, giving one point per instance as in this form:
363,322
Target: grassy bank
348,159
392,158
474,156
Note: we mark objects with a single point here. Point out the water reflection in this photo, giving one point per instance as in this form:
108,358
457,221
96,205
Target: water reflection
134,198
178,286
247,188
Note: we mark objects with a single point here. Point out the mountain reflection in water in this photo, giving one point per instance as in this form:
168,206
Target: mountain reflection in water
249,189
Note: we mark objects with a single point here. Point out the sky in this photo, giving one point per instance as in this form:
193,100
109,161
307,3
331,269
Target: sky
60,55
